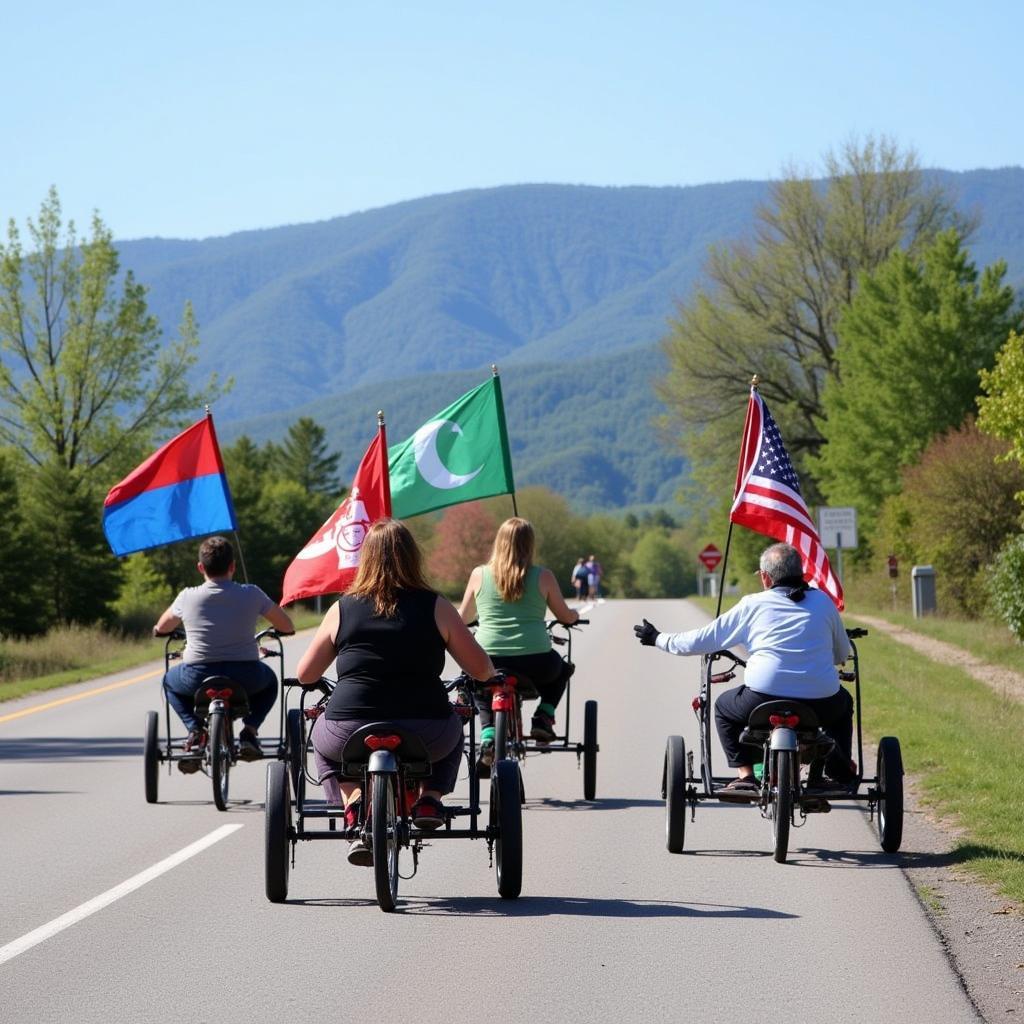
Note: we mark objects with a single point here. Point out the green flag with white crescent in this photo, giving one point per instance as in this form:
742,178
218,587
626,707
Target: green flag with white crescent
461,454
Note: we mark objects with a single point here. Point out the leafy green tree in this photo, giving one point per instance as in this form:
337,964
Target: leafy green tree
304,458
79,578
85,374
20,611
1006,585
772,304
660,567
955,509
1001,406
144,594
912,341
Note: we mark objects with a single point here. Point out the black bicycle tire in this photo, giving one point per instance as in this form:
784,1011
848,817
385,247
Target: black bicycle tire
277,824
384,834
782,813
151,757
506,814
675,794
220,759
590,750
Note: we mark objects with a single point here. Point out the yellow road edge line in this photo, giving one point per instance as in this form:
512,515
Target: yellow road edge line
79,696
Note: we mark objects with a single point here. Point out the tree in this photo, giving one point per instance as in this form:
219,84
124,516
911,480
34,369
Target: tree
1006,584
955,510
772,304
1001,406
303,457
911,343
462,540
86,373
19,611
660,568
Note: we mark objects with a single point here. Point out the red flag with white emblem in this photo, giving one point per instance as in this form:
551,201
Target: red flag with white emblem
329,561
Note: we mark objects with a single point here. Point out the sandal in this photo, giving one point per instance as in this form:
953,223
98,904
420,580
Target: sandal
741,790
428,813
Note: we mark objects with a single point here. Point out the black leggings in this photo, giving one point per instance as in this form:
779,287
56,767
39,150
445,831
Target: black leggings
548,672
835,713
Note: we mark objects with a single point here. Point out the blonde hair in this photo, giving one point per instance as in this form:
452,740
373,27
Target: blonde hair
511,557
389,561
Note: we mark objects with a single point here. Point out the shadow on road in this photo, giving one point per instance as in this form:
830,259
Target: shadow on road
548,803
69,748
40,792
815,857
571,906
958,855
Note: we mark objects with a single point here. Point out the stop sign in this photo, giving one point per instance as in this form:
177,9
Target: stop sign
710,557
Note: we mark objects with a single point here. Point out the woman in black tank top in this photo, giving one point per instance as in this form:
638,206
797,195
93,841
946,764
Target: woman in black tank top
387,637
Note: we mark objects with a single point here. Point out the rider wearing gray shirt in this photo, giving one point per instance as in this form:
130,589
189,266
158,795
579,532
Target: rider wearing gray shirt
220,618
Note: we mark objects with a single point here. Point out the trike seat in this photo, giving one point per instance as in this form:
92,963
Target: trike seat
409,748
523,684
760,717
223,688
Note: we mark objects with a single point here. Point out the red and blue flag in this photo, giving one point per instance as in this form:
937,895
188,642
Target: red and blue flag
180,491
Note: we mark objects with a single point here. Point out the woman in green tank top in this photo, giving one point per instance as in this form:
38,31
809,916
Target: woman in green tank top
510,597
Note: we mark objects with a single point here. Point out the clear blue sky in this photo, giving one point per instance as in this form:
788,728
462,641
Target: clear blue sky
192,119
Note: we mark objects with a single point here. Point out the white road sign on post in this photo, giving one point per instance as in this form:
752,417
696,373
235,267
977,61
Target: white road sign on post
837,527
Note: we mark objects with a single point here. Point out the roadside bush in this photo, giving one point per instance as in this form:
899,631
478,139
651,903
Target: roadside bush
1006,584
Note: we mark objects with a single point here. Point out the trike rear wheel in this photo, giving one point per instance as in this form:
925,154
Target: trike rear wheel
890,800
674,791
277,824
151,757
500,735
590,750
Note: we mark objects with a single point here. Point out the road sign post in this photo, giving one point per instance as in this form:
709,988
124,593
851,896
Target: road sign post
837,528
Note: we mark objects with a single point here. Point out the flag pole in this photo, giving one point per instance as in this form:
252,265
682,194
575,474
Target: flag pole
501,409
755,381
234,533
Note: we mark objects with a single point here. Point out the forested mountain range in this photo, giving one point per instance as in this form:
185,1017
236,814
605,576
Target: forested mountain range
566,288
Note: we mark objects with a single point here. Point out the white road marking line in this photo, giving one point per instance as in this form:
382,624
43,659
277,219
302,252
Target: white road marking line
33,938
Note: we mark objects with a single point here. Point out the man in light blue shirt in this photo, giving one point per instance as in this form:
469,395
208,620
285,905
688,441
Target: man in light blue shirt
795,640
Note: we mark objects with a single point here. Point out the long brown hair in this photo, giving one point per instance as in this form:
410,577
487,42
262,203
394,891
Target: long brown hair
389,561
512,556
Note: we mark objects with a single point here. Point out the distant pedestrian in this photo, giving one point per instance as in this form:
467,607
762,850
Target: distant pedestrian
580,582
594,574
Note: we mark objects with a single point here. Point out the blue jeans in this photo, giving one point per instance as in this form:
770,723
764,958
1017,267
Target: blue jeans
256,677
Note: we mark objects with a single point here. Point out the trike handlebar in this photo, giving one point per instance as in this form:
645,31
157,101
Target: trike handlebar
856,634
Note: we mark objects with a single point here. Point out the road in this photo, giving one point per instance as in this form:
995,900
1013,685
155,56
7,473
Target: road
610,925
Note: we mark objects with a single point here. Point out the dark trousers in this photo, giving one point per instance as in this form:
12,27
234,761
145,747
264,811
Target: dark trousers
442,737
835,714
549,672
257,678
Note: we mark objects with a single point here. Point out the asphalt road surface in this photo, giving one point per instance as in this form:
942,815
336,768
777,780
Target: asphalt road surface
113,910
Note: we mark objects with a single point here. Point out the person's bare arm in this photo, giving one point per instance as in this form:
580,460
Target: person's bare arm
461,644
279,619
553,595
467,610
167,623
321,652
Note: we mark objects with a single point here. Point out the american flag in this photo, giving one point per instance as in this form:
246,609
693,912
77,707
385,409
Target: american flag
767,497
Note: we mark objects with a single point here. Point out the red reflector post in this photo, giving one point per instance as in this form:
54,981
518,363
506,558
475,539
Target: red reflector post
789,721
695,703
383,742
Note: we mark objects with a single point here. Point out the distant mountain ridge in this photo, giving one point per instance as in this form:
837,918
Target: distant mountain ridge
545,280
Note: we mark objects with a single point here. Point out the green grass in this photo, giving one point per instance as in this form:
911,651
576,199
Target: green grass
931,899
987,640
959,741
74,654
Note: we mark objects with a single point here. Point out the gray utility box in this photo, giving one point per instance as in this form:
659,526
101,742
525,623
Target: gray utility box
922,579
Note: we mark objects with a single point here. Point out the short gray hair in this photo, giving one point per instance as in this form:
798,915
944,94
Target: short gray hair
781,561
